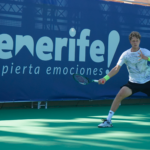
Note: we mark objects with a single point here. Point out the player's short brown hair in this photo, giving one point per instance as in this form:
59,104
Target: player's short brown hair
134,34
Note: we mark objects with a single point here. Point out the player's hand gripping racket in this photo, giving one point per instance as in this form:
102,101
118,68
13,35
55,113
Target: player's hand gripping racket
82,79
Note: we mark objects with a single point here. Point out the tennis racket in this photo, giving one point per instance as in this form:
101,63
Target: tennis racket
82,79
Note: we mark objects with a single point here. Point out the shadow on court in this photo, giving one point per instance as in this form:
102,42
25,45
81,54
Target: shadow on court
74,128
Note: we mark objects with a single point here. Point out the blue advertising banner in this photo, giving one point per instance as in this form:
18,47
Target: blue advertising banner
44,42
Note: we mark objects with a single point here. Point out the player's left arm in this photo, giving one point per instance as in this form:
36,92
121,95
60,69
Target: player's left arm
142,56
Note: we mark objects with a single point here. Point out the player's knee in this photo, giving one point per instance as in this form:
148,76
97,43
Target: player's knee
124,92
120,95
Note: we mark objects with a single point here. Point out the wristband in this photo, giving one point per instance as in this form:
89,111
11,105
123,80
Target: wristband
148,59
106,77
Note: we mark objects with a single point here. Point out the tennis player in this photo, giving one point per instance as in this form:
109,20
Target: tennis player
135,59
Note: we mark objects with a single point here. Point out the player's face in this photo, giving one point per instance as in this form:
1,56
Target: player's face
135,42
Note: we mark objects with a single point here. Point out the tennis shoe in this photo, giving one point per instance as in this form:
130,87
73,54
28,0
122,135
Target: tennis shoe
105,124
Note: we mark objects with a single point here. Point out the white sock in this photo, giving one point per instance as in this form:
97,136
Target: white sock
111,113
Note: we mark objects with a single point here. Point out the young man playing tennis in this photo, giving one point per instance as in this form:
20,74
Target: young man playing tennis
135,59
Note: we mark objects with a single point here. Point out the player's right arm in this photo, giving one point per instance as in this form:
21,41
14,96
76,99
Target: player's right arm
113,72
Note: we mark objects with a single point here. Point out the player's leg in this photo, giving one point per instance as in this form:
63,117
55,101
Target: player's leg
123,93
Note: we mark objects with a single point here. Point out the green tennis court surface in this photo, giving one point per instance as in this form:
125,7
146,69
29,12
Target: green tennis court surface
73,128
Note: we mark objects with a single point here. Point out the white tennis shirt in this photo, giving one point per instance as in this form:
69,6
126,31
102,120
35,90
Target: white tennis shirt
139,71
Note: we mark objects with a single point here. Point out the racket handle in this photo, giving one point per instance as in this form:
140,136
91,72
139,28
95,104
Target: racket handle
95,81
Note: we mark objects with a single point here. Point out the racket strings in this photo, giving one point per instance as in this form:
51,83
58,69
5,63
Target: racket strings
81,79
